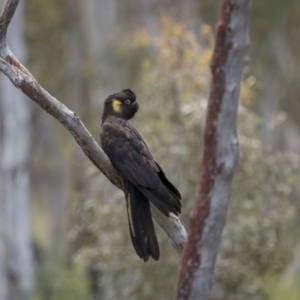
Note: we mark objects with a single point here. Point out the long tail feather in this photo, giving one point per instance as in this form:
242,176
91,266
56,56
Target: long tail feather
151,239
141,226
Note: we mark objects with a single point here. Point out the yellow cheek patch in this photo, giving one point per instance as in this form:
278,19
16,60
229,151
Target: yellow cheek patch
117,105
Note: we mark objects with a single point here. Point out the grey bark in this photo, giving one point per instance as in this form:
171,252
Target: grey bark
16,279
221,152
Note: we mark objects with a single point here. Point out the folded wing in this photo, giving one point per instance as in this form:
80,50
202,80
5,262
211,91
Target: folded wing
130,155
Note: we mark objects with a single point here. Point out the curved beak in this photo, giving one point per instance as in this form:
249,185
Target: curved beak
136,105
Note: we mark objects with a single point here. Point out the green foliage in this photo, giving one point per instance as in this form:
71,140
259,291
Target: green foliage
46,38
58,283
284,290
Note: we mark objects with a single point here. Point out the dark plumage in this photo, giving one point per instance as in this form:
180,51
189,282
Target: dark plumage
143,178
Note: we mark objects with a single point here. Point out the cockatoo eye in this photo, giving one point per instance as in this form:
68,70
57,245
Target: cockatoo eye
127,101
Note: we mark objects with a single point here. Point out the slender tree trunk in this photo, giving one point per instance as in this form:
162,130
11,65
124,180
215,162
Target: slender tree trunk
3,279
16,273
220,155
75,55
99,22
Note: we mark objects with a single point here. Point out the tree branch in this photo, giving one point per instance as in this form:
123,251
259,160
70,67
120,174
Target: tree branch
24,81
220,154
6,17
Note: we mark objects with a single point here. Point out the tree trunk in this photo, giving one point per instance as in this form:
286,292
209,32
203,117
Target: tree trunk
99,22
220,155
16,264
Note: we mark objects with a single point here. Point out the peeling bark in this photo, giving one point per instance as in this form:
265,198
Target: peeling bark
24,81
220,154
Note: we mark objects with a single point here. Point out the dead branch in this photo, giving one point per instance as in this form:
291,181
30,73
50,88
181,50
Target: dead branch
221,152
24,81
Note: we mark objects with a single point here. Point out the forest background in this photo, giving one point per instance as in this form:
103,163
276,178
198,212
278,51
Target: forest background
82,51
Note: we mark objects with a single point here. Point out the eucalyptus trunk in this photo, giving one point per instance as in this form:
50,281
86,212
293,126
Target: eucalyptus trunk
16,263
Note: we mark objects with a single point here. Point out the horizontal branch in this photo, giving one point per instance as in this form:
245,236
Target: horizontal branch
24,81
